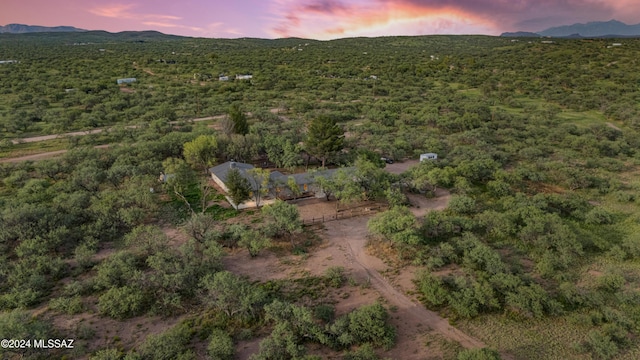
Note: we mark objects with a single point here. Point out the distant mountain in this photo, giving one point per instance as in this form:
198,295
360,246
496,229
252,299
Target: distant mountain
520,34
23,29
612,28
594,29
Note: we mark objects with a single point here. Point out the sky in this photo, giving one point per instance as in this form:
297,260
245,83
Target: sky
316,19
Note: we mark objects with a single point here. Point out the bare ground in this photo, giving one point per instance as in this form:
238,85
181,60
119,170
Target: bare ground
344,244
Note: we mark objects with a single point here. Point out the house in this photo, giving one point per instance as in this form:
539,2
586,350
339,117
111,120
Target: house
164,178
223,78
244,77
278,182
8,61
126,81
428,156
220,173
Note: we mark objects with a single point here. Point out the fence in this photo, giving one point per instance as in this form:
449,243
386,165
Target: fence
346,214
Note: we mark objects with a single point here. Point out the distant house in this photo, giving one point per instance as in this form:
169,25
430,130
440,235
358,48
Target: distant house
126,81
164,178
244,77
8,61
223,78
428,156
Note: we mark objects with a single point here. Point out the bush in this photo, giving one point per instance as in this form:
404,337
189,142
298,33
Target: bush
69,306
461,204
599,216
168,345
478,354
600,345
335,276
431,288
611,282
369,324
324,312
121,302
107,354
364,352
220,346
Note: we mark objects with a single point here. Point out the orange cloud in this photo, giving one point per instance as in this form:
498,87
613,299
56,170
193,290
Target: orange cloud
332,18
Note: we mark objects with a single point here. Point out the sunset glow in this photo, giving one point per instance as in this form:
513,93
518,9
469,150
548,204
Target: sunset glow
317,19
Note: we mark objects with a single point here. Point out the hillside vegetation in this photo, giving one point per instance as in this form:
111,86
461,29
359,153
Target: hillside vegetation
537,255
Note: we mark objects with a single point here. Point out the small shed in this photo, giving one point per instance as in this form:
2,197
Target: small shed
428,156
126,81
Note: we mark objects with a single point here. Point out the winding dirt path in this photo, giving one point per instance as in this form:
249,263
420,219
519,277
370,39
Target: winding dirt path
352,233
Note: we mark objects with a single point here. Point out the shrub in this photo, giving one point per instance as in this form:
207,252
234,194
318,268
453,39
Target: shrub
220,346
611,282
431,288
121,302
324,312
66,305
478,354
168,345
364,352
335,276
107,354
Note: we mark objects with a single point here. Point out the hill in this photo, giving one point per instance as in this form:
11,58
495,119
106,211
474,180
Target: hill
594,29
22,29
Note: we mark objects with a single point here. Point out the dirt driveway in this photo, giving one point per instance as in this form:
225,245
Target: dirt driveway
346,246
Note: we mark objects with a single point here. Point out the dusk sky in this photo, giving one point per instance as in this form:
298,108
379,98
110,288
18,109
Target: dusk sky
316,19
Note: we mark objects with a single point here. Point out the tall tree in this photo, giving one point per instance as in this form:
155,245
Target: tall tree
201,152
259,179
324,138
238,185
239,120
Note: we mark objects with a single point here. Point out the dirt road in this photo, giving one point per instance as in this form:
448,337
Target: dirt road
97,131
352,233
41,156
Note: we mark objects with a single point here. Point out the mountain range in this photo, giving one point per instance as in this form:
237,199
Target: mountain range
612,28
23,29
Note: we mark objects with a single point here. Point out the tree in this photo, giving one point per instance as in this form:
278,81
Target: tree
239,120
284,217
239,187
201,152
200,227
324,138
397,224
293,186
249,238
233,295
259,179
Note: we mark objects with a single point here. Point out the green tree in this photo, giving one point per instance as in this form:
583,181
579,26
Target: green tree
239,187
324,138
233,295
259,180
238,119
284,218
201,152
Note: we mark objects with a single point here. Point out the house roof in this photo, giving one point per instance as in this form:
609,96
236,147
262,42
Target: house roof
222,171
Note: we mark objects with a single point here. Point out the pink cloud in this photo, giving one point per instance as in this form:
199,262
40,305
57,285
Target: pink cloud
329,18
125,11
